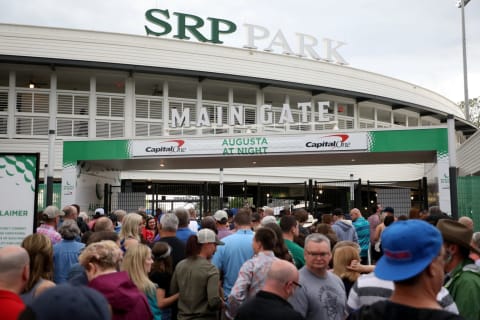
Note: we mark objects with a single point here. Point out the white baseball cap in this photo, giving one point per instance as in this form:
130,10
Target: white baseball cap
220,215
208,236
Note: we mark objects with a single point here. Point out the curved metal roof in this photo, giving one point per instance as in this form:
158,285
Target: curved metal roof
134,53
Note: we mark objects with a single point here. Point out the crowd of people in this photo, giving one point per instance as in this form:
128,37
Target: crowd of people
243,264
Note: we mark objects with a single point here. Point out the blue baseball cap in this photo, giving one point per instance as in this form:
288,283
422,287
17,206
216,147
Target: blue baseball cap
408,248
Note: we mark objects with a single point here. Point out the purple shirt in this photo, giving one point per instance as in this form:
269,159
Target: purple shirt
223,232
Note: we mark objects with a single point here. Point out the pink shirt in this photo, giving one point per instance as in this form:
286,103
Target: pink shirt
374,221
50,232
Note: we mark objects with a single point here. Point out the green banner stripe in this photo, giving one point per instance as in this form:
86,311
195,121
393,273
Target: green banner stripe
95,150
410,140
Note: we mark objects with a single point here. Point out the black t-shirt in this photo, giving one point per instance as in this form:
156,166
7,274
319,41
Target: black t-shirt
267,306
178,249
394,311
162,279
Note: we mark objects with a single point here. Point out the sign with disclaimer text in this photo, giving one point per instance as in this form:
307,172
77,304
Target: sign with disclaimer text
18,196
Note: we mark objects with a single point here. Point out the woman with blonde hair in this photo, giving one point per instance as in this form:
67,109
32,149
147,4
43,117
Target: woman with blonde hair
131,229
137,262
102,261
342,258
40,250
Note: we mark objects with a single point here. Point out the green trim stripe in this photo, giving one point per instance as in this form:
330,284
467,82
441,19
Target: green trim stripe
409,140
95,150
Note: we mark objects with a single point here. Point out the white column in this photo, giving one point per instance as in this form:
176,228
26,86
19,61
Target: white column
259,101
92,108
166,108
129,111
287,101
12,102
52,127
355,116
230,104
312,113
199,105
52,102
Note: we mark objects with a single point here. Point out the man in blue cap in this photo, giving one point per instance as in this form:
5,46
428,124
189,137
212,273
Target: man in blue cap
414,260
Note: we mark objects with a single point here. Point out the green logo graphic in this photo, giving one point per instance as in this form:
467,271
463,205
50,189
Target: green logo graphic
22,168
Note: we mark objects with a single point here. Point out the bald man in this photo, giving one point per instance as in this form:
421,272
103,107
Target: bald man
103,224
466,221
14,273
271,302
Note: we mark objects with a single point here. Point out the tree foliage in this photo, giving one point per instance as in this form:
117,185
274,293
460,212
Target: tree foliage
474,110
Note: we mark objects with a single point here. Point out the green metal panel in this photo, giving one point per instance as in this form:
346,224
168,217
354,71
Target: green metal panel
95,150
468,199
42,195
409,140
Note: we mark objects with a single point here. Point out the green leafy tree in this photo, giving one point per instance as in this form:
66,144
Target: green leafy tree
474,110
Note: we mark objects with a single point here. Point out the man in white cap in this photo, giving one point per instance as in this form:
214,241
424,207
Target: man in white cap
99,212
221,217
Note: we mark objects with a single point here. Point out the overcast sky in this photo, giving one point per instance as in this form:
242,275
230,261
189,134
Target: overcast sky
416,41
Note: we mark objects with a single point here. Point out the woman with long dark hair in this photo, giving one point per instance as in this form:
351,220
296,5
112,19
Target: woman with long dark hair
161,274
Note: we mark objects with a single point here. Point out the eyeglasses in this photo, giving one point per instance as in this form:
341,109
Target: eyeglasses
318,254
297,284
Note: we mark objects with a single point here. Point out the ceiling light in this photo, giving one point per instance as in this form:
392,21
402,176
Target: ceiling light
31,85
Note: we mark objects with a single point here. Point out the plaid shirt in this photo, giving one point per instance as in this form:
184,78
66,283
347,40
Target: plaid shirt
50,232
250,280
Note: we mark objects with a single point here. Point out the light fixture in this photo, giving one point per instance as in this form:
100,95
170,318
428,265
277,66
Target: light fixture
321,191
31,85
268,195
411,198
162,164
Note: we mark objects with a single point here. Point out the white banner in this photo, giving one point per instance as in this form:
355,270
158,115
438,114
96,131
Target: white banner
248,145
18,182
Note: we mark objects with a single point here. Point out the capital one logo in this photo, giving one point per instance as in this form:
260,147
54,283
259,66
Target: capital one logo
332,141
168,146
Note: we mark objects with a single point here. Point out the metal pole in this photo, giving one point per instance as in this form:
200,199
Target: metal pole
452,157
50,167
220,202
352,193
310,195
465,80
424,193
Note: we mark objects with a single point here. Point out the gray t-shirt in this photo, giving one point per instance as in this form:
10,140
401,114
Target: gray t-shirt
321,298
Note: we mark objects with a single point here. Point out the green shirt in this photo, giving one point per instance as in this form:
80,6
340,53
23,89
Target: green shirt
197,281
464,287
297,253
